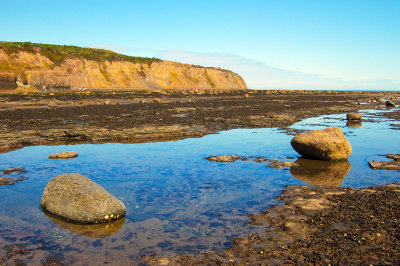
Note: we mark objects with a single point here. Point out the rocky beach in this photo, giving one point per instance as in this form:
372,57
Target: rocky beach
312,225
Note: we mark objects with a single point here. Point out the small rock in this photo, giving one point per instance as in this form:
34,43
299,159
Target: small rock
107,102
275,163
52,104
157,100
386,165
13,170
327,144
7,181
79,199
223,158
246,95
395,157
354,116
63,155
390,103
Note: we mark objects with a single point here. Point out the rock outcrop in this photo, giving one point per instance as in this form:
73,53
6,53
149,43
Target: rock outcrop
79,199
35,69
386,165
326,144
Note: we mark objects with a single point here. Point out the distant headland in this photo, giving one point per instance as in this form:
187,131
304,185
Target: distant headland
34,66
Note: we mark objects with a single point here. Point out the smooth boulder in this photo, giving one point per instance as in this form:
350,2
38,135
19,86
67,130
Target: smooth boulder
79,199
326,144
354,116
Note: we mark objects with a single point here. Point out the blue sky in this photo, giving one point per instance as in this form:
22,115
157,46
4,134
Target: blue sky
353,44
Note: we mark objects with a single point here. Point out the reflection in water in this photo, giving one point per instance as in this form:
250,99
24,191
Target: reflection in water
89,230
354,123
320,173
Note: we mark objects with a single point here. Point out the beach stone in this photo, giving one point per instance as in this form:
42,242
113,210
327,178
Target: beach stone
384,165
390,103
354,116
63,155
327,144
13,170
223,158
7,181
79,199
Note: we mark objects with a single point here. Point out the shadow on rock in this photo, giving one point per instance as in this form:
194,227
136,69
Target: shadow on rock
320,173
90,230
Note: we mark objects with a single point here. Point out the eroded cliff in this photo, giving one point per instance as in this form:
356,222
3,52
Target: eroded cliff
34,67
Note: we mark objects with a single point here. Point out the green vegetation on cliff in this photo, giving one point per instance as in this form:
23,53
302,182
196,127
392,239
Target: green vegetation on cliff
58,53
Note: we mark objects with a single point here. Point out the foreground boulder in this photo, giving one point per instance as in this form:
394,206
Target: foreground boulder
79,199
63,155
326,144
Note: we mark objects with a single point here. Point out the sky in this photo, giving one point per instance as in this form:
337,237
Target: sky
281,44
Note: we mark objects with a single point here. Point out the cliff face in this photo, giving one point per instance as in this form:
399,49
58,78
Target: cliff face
37,70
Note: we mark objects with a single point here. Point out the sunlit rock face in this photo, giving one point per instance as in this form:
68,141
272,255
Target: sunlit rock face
319,172
74,73
326,144
77,198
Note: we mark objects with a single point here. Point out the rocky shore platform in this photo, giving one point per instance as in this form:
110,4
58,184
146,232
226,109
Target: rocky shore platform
142,116
313,225
318,226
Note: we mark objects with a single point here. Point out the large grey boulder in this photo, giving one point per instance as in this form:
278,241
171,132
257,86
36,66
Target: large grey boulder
79,199
326,144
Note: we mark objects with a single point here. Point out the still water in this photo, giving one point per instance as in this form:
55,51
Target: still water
177,201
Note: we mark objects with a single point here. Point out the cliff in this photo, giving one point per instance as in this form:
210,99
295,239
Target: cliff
66,68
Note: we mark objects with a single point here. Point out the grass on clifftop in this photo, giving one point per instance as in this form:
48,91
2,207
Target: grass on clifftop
58,53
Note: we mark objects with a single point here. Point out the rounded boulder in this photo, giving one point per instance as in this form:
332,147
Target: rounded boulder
77,198
326,144
354,116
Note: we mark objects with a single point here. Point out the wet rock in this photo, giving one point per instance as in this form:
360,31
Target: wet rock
52,104
224,158
319,172
275,163
326,144
395,157
13,170
7,181
63,155
79,199
386,165
390,103
354,116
